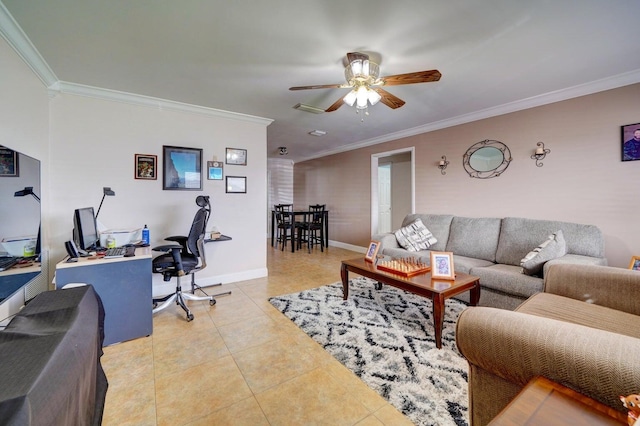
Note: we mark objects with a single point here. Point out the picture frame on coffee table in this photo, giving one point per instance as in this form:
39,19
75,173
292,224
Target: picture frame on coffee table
442,265
635,263
372,251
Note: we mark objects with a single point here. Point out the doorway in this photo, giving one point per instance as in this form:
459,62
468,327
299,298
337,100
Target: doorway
392,189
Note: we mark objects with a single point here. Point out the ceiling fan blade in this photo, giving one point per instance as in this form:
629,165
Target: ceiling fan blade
411,78
392,101
319,86
337,104
352,56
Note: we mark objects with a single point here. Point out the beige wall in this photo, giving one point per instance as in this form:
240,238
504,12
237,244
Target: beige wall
582,180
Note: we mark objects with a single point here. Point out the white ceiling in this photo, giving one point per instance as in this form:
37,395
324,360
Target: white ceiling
495,56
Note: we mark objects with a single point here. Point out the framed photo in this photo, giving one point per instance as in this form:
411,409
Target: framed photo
182,168
8,162
236,156
635,263
630,140
214,170
442,265
372,251
146,166
236,185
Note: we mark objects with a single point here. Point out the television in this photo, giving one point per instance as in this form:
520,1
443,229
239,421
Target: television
85,231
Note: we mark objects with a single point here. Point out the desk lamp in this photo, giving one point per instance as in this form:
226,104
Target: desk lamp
28,190
105,191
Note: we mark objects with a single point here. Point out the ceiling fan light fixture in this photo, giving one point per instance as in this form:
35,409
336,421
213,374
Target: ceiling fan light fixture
374,97
362,96
350,99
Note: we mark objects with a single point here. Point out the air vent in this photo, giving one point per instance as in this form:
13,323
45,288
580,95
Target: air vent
317,133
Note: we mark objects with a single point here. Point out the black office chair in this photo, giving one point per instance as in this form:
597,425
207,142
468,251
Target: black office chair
185,258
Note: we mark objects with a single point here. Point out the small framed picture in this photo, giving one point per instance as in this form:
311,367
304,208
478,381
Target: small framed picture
8,162
214,170
372,251
182,168
236,185
236,156
145,166
630,140
635,263
442,265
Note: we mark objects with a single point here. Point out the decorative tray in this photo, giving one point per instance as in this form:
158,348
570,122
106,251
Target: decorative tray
405,267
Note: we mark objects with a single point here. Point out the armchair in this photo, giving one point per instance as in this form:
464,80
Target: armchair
185,258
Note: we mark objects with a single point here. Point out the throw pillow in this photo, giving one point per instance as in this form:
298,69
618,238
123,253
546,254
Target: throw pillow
554,247
415,236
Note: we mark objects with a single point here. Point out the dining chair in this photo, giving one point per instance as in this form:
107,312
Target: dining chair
284,224
311,230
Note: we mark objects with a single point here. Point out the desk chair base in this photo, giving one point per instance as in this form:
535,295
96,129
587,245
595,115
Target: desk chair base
195,287
179,297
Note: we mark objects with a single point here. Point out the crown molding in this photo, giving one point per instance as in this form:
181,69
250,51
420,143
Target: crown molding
601,85
18,40
148,101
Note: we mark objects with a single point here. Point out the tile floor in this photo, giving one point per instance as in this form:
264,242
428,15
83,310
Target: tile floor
241,362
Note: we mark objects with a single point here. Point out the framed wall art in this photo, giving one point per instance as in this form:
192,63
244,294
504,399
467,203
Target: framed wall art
236,156
630,139
145,166
182,168
214,170
236,185
8,162
442,265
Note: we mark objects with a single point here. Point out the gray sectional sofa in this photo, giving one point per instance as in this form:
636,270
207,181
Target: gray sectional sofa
492,248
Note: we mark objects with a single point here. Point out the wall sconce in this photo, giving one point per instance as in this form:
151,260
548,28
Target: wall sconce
282,150
540,153
443,165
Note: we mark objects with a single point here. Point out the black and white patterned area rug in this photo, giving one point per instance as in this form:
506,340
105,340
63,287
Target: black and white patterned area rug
386,338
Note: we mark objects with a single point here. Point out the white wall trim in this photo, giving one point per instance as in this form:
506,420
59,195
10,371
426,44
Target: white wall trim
601,85
346,246
18,40
161,288
148,101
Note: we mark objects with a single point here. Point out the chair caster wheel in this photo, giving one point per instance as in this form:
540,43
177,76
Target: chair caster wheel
212,302
189,317
378,286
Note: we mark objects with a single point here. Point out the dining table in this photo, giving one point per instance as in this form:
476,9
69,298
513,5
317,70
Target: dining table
304,214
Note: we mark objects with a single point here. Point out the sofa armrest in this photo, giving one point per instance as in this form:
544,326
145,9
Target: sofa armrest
517,347
387,240
615,288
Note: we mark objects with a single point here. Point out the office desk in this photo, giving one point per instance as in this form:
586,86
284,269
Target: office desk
302,213
124,285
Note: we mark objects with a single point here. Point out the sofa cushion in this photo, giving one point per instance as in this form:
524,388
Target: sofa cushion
507,279
464,264
578,312
518,236
552,248
474,237
438,224
415,236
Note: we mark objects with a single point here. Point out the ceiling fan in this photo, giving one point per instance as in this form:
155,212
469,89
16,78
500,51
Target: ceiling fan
363,79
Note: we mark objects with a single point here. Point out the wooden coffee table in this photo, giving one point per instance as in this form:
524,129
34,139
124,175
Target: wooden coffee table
437,290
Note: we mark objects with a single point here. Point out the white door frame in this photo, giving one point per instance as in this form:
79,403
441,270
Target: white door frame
374,183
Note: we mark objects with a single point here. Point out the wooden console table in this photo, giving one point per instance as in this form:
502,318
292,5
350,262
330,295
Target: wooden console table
544,402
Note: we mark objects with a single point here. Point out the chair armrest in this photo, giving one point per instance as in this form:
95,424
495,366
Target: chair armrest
167,247
615,288
517,347
180,239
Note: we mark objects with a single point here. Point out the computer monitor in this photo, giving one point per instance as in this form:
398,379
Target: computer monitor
85,231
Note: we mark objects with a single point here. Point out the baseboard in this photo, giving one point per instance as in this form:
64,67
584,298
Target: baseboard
161,288
347,246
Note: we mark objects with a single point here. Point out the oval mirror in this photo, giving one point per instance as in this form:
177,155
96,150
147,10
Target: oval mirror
486,159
